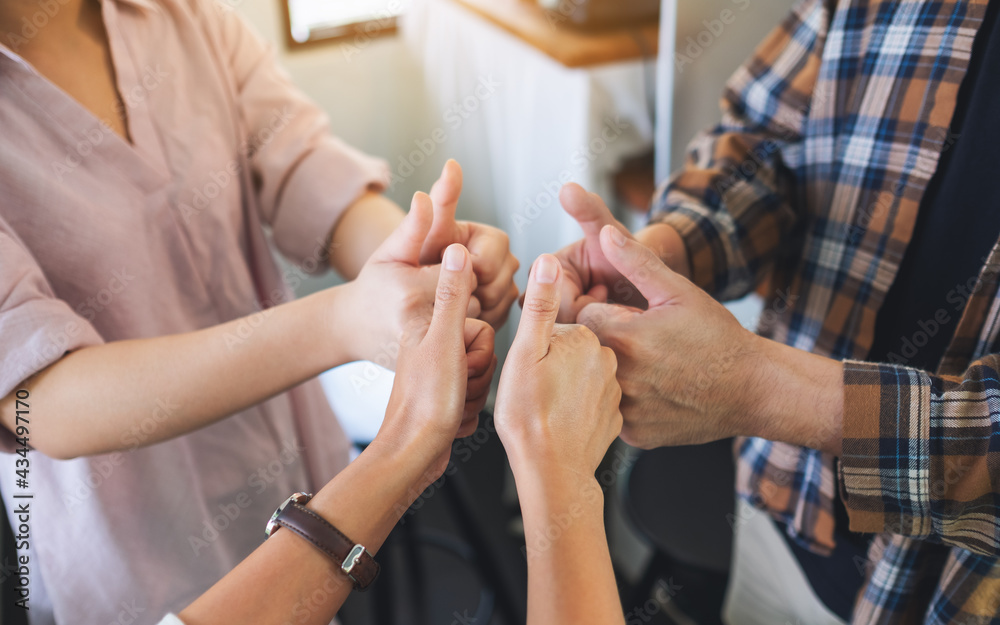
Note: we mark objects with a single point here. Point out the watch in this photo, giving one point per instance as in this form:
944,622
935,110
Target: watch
354,559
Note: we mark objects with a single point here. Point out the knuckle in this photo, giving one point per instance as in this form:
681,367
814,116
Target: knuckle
611,361
502,239
414,310
586,337
449,293
540,306
491,295
414,329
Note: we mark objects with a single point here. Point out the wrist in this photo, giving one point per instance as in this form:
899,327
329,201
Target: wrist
309,330
398,476
339,323
555,491
415,452
544,475
668,245
795,397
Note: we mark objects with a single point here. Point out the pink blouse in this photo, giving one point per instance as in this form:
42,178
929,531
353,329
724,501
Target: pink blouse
103,240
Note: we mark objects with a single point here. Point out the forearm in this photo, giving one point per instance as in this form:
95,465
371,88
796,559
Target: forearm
360,230
286,577
794,396
667,243
126,394
570,577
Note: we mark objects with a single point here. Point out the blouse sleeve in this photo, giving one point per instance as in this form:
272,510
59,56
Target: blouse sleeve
36,328
305,177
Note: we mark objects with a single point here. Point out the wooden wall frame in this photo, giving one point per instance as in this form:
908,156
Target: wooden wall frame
364,31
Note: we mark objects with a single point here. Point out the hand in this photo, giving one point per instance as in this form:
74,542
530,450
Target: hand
590,277
492,261
392,289
557,405
446,364
687,368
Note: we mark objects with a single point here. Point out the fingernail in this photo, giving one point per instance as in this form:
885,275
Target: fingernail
454,258
617,237
546,270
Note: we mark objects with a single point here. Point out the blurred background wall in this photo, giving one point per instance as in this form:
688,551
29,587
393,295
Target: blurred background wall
374,90
699,83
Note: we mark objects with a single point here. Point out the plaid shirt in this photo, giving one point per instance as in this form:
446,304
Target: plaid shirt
829,137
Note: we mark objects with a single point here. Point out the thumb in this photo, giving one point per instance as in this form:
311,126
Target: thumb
640,266
444,196
451,300
588,209
446,190
405,242
541,305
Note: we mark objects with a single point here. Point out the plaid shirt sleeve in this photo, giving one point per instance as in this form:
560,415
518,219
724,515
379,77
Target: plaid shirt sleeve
732,202
921,454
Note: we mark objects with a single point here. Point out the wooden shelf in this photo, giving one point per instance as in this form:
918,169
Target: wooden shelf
527,21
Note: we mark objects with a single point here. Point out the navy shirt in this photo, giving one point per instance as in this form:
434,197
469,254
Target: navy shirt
957,225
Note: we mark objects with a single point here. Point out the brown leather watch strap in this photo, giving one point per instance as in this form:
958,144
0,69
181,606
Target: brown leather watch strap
355,561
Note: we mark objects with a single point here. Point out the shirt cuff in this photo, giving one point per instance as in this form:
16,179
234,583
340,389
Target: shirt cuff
885,467
705,244
323,186
33,335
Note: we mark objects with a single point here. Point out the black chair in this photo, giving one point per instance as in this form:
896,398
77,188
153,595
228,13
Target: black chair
681,499
474,510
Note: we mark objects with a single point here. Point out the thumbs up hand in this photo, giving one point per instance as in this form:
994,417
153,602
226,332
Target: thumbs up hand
446,364
589,277
489,247
557,404
393,288
689,372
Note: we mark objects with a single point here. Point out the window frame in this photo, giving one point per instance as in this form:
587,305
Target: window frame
366,29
